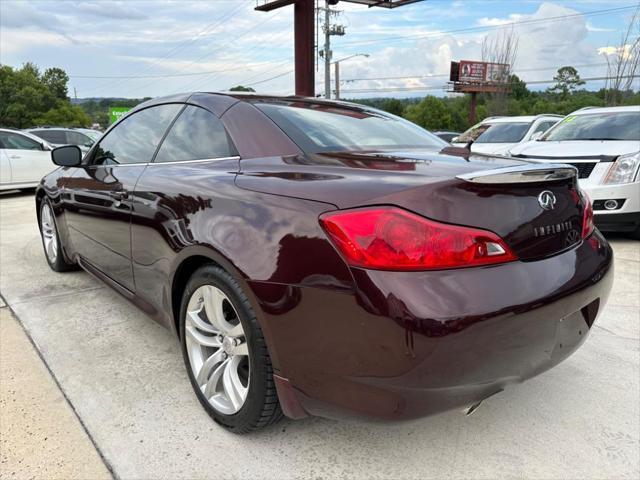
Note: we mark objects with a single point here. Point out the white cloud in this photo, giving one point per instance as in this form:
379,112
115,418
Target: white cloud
172,37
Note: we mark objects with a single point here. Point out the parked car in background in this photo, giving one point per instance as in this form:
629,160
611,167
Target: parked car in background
24,159
92,133
446,136
496,135
58,136
324,258
604,145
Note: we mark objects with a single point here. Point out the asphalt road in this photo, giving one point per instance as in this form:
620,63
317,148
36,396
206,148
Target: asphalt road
123,375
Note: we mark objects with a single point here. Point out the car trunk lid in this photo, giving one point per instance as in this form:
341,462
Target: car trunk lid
493,193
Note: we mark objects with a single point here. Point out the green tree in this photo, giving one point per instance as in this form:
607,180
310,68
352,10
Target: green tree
23,96
567,81
518,87
431,113
393,106
56,80
64,114
240,88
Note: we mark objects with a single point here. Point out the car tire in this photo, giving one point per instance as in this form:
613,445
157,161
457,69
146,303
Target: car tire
53,251
225,353
635,234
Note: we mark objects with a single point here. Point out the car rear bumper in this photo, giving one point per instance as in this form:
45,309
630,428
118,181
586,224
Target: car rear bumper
410,344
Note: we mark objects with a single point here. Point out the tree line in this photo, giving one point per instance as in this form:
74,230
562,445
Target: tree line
29,97
452,113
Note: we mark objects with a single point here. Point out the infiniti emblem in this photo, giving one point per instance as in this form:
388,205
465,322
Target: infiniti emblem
547,200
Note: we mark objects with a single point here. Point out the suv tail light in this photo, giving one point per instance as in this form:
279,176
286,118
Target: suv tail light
390,238
587,216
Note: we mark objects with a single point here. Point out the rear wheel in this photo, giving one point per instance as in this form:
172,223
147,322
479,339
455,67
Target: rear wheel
225,353
51,240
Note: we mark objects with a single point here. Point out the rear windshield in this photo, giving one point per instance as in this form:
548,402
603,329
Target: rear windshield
325,128
597,126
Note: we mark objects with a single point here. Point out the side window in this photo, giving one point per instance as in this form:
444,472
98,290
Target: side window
77,138
51,136
135,138
197,134
15,141
544,126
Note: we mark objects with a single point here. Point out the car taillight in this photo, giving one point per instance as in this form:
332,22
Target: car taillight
390,238
587,216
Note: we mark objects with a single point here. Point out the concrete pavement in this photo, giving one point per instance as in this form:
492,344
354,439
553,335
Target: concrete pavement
124,376
41,437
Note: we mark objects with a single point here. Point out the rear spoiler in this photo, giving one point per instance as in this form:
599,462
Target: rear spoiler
547,172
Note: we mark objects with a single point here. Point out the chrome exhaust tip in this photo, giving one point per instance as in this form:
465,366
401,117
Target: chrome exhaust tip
471,409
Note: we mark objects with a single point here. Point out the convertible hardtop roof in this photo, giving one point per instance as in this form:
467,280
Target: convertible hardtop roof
223,100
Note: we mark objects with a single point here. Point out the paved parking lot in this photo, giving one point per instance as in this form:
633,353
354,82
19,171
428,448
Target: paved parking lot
124,376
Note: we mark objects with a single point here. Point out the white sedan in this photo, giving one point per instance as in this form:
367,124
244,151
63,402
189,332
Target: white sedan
24,159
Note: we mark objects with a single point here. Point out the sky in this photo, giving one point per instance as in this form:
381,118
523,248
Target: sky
141,48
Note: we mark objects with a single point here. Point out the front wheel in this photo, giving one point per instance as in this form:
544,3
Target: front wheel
51,240
225,353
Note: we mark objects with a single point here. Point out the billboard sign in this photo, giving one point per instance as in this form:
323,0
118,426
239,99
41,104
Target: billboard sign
116,113
479,72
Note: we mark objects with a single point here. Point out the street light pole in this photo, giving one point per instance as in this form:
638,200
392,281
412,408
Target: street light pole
337,71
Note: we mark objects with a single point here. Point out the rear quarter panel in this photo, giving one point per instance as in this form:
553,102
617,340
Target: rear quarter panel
180,210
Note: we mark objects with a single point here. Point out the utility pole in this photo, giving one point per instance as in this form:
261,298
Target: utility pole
75,93
327,51
337,73
329,30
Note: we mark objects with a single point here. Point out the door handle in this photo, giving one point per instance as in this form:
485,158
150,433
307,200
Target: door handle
120,195
15,156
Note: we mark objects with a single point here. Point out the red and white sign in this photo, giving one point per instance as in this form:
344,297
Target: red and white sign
482,72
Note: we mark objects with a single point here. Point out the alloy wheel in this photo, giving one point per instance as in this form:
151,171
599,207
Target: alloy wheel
48,230
217,349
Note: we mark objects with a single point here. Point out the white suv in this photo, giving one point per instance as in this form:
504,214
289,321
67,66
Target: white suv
496,135
604,145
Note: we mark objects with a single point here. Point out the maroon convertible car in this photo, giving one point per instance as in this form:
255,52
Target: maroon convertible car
323,258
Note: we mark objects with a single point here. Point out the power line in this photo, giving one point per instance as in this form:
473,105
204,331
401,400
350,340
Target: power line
606,11
446,75
259,24
198,83
269,79
248,79
442,87
265,45
179,47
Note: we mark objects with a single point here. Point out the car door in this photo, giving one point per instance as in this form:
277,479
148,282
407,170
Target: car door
5,167
192,172
99,211
28,159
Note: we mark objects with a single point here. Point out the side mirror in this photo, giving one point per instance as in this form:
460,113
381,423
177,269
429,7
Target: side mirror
454,140
536,136
67,156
